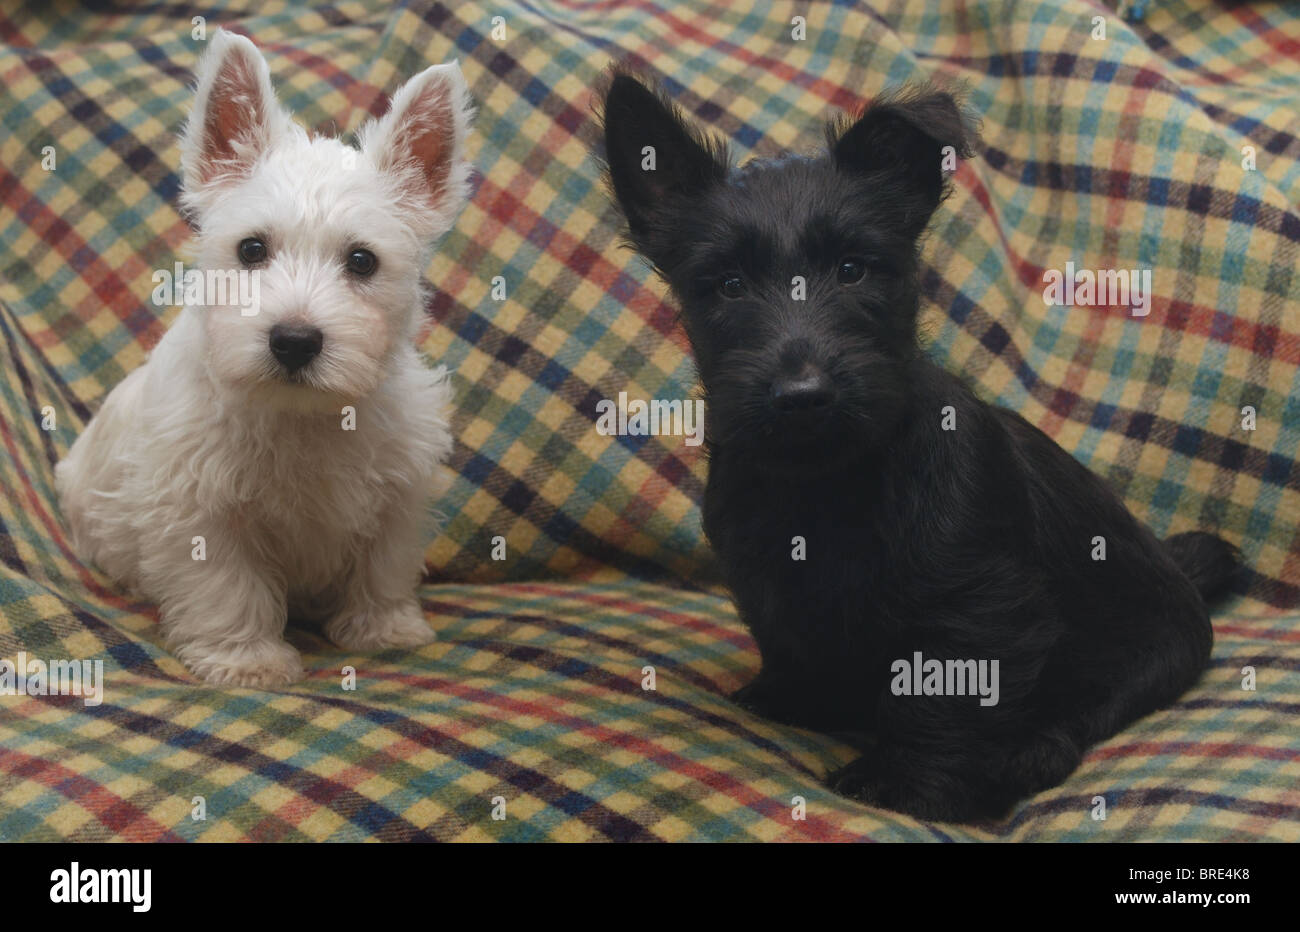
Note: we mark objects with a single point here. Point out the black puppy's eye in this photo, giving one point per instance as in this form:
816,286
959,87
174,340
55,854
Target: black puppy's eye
732,286
252,251
362,262
850,271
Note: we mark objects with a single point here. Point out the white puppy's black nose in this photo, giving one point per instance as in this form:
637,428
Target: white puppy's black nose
295,345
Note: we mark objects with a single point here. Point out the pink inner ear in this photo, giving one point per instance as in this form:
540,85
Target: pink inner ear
424,135
235,113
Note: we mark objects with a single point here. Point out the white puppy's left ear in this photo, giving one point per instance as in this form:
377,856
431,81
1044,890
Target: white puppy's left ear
235,116
420,144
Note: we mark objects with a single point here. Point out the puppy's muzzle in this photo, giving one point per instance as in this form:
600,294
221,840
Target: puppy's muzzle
294,346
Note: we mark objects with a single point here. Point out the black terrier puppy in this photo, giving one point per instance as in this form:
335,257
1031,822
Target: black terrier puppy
890,539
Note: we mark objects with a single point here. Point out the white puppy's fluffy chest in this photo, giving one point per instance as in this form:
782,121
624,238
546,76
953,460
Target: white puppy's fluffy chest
304,491
316,486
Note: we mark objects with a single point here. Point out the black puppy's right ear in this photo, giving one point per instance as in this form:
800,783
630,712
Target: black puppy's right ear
656,160
906,137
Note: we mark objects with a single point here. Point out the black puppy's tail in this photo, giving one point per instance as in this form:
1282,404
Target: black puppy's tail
1210,562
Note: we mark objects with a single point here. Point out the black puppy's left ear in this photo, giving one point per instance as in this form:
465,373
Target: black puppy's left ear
657,161
913,138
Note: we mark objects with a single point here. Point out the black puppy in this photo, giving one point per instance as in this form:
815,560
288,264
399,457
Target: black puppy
889,538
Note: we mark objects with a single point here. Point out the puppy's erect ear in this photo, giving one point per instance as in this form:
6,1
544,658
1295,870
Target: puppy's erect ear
420,144
656,160
905,137
235,116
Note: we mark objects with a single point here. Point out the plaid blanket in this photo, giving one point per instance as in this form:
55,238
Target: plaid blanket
1168,144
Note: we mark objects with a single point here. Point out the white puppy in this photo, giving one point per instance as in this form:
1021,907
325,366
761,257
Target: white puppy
276,459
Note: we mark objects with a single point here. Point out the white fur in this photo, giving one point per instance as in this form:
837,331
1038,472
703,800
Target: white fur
208,439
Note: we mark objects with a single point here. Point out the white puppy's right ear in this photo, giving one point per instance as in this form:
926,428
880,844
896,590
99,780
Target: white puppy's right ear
235,117
420,145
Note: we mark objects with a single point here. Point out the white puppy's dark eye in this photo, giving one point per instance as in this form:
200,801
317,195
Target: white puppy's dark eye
252,251
850,271
362,262
732,286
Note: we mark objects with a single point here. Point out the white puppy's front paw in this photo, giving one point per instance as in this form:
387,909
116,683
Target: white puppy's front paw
261,664
397,624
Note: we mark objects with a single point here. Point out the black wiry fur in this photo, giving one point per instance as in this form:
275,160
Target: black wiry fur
974,543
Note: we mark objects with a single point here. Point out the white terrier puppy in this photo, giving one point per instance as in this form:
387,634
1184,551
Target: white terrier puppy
277,460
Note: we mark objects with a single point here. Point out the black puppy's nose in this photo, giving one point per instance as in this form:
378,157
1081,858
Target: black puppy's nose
295,345
807,391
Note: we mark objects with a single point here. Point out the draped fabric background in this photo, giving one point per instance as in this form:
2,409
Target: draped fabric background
1168,145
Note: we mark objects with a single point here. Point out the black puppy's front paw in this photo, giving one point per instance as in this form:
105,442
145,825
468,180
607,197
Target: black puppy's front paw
934,797
859,779
768,697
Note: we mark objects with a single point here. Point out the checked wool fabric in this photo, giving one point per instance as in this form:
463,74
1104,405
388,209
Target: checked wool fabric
1170,145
